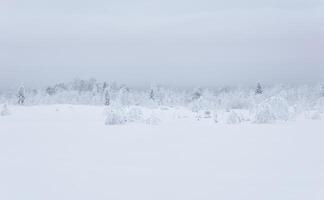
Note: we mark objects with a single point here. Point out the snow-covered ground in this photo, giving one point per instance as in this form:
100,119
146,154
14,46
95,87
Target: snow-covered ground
67,152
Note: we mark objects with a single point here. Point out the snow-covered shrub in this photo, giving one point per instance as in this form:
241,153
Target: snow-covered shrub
264,114
181,113
203,114
320,104
238,102
21,95
207,114
233,118
316,116
121,115
197,94
134,114
164,108
215,117
201,104
124,96
259,89
271,110
4,110
280,108
153,120
160,95
115,116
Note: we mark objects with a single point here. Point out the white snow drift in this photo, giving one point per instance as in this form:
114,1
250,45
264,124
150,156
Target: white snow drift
67,152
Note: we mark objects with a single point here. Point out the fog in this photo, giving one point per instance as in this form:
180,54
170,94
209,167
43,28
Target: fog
169,42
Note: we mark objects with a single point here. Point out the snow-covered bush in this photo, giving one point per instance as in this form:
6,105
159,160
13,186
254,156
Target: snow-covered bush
120,115
5,110
238,102
206,114
200,104
234,118
259,89
320,104
203,114
115,116
153,120
134,114
264,114
21,95
215,117
316,116
271,110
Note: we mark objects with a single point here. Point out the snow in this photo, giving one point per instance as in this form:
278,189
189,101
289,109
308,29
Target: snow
67,152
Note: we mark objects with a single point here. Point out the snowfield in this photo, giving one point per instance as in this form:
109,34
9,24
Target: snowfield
65,152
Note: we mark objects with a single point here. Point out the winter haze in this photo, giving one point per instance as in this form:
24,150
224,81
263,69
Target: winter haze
179,42
161,99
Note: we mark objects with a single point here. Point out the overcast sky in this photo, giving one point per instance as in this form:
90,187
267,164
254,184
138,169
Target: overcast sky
180,42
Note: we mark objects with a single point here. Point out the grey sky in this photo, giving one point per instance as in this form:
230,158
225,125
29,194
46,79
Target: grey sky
182,42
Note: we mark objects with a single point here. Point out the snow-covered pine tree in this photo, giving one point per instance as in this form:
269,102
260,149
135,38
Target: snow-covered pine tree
21,95
197,94
104,86
153,91
107,96
259,89
152,94
50,91
155,94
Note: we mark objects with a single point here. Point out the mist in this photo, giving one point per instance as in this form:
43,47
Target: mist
180,43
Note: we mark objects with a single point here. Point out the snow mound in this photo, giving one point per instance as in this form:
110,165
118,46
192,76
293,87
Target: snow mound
5,110
271,110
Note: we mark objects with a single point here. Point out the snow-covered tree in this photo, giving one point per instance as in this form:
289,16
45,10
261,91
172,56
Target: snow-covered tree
4,110
124,95
156,94
316,116
259,89
50,91
21,95
153,92
197,94
271,110
107,96
104,86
